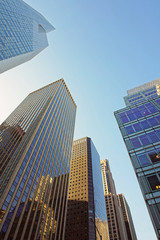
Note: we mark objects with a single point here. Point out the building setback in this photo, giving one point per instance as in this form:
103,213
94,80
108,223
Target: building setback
23,33
116,208
86,214
139,124
131,234
35,152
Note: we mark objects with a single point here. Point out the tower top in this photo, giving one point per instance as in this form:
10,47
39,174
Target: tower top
144,87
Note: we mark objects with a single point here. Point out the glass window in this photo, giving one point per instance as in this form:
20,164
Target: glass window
137,113
154,157
137,127
143,110
153,137
145,124
154,182
153,121
144,160
124,118
129,129
158,118
135,142
158,101
158,133
144,139
151,107
131,116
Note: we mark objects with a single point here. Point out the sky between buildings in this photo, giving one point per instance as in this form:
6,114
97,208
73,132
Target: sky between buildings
101,48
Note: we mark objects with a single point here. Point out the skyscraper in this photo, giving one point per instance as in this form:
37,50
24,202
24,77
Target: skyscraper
139,124
118,228
127,218
35,152
22,35
86,213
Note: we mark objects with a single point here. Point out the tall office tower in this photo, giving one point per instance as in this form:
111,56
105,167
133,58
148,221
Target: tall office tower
139,124
23,33
86,213
127,217
116,222
35,153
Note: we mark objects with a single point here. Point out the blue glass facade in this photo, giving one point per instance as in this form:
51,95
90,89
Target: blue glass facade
22,35
99,200
34,178
140,127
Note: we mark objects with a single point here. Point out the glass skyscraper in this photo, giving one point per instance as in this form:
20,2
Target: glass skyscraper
86,212
35,152
139,124
22,33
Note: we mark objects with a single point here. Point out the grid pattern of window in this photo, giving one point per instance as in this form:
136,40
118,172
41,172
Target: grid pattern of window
113,226
22,35
140,128
142,94
110,195
86,216
77,225
105,176
35,152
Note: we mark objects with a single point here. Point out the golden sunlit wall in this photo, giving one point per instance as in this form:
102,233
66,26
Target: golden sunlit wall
86,214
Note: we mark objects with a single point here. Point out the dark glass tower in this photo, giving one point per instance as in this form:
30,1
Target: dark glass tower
86,212
35,152
139,124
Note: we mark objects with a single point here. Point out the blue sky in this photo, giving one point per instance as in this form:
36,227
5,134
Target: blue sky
101,49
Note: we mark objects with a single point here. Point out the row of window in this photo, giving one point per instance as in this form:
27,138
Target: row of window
144,139
145,124
138,112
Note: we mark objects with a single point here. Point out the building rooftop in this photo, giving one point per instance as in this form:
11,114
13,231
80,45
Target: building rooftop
144,87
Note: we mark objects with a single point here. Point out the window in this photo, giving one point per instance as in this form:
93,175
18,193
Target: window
154,157
154,182
137,127
153,137
129,129
135,142
153,121
145,124
144,160
144,140
123,117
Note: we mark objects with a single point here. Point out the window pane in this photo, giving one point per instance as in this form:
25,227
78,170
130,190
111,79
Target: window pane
151,107
144,140
154,157
137,127
124,119
143,159
153,137
131,116
145,124
135,142
129,129
154,182
153,121
158,118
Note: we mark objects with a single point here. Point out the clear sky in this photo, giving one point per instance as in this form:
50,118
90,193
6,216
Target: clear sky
101,48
